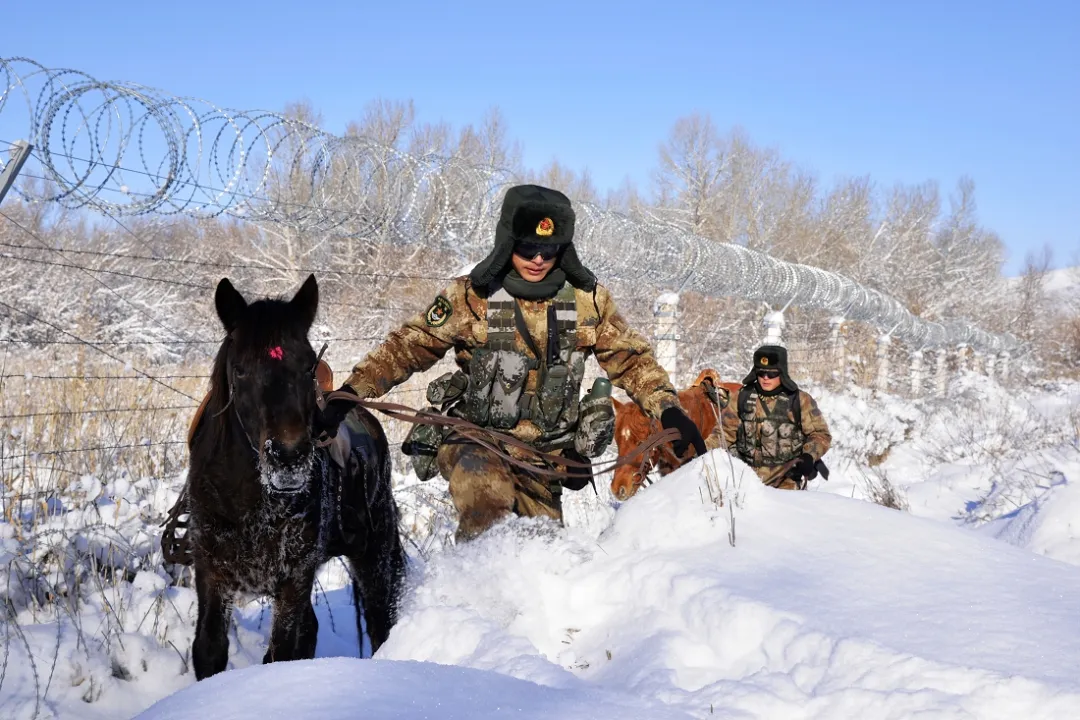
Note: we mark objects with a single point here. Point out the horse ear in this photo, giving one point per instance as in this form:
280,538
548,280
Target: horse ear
230,304
306,301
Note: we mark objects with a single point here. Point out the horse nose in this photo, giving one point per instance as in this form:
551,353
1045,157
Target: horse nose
290,453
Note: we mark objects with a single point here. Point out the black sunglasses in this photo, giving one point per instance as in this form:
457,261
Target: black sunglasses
531,250
768,373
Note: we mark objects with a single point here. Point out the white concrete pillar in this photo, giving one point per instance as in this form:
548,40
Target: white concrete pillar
962,363
941,368
666,315
882,382
839,349
916,373
774,328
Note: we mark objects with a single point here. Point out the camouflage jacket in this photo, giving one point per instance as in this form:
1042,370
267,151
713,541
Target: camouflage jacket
816,438
457,320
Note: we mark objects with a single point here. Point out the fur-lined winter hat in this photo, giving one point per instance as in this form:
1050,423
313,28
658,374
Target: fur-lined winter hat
771,357
535,215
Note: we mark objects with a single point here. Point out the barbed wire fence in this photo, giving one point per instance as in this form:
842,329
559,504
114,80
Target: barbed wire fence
125,150
95,405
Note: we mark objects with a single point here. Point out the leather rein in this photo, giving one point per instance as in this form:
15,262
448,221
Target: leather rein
492,439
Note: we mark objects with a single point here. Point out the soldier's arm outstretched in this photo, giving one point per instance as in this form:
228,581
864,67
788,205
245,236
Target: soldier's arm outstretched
814,428
628,359
417,345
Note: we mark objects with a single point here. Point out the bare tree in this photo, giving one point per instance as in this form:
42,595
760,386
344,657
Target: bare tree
694,165
577,186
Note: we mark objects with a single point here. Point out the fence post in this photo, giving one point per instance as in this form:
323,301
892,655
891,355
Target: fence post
665,312
774,328
940,370
977,362
990,365
916,373
839,349
882,353
20,151
962,358
1004,373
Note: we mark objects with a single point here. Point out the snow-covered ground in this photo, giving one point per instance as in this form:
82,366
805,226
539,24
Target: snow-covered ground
1063,283
346,688
770,605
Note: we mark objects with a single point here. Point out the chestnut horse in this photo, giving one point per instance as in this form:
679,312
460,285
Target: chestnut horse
632,427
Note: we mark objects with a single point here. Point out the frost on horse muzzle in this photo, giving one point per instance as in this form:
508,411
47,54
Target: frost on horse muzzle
285,471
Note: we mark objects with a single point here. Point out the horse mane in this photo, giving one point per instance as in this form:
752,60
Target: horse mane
218,397
630,420
708,374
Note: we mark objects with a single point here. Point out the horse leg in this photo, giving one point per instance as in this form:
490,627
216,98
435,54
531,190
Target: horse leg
210,650
358,601
296,629
378,571
377,562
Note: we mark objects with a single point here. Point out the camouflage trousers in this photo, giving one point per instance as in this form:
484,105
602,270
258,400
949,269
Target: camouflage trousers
486,488
771,475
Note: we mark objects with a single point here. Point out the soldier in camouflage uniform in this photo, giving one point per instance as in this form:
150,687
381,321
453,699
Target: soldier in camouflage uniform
773,426
521,325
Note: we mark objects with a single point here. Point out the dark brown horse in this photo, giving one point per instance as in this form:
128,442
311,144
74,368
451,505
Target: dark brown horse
632,427
267,505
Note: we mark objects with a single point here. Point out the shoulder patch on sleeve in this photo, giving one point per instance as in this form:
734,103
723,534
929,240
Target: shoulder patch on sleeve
439,312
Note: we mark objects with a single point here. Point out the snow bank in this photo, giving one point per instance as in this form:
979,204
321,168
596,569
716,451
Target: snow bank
970,458
1049,523
345,689
825,607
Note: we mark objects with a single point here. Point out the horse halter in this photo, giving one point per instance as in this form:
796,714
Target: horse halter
315,366
276,353
236,413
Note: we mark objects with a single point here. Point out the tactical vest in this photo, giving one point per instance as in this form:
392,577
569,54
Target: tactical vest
496,395
774,438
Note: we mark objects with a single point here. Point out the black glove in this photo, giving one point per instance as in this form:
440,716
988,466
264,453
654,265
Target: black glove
673,417
804,468
330,417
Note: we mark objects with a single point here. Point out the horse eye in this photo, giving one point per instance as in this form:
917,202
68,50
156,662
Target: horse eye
239,371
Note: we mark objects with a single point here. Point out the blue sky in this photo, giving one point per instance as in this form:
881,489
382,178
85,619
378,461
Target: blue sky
904,91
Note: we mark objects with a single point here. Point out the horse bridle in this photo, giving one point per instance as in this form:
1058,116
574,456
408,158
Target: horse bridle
236,413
